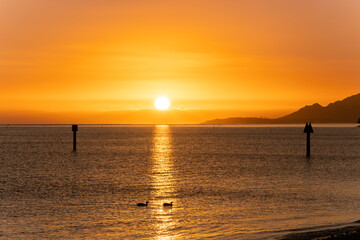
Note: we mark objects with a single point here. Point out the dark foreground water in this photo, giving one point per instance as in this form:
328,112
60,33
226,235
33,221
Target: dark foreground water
224,182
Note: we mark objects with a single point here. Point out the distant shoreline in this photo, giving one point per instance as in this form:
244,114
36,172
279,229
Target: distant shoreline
344,111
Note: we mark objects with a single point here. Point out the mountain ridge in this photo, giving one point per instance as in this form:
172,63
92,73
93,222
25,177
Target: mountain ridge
342,111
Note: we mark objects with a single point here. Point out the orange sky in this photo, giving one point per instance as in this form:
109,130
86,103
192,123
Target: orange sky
89,61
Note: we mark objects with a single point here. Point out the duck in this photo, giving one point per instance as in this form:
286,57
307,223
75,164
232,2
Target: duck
142,204
168,204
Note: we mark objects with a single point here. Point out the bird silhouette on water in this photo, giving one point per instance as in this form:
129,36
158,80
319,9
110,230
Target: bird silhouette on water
142,204
168,204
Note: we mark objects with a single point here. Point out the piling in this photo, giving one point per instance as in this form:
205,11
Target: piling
308,129
74,129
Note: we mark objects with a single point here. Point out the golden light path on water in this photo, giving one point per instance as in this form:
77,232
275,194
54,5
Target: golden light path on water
163,183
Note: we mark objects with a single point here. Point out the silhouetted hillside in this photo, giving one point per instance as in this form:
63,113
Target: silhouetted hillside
345,111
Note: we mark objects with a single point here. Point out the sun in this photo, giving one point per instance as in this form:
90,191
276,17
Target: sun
162,103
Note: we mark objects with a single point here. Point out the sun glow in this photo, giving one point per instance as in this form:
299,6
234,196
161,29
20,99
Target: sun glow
162,103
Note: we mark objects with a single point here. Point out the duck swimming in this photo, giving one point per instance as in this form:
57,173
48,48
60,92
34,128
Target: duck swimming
168,204
142,204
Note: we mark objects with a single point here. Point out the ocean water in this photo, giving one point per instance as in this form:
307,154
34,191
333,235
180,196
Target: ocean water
227,182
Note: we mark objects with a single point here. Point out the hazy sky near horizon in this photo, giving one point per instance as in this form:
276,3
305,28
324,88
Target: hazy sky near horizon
212,58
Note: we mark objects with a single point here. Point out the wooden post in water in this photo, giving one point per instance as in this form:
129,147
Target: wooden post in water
308,129
74,129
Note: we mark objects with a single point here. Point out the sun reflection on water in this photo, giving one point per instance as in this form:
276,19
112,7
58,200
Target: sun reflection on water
163,183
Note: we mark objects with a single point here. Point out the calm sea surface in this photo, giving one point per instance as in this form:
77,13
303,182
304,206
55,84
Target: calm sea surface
225,182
